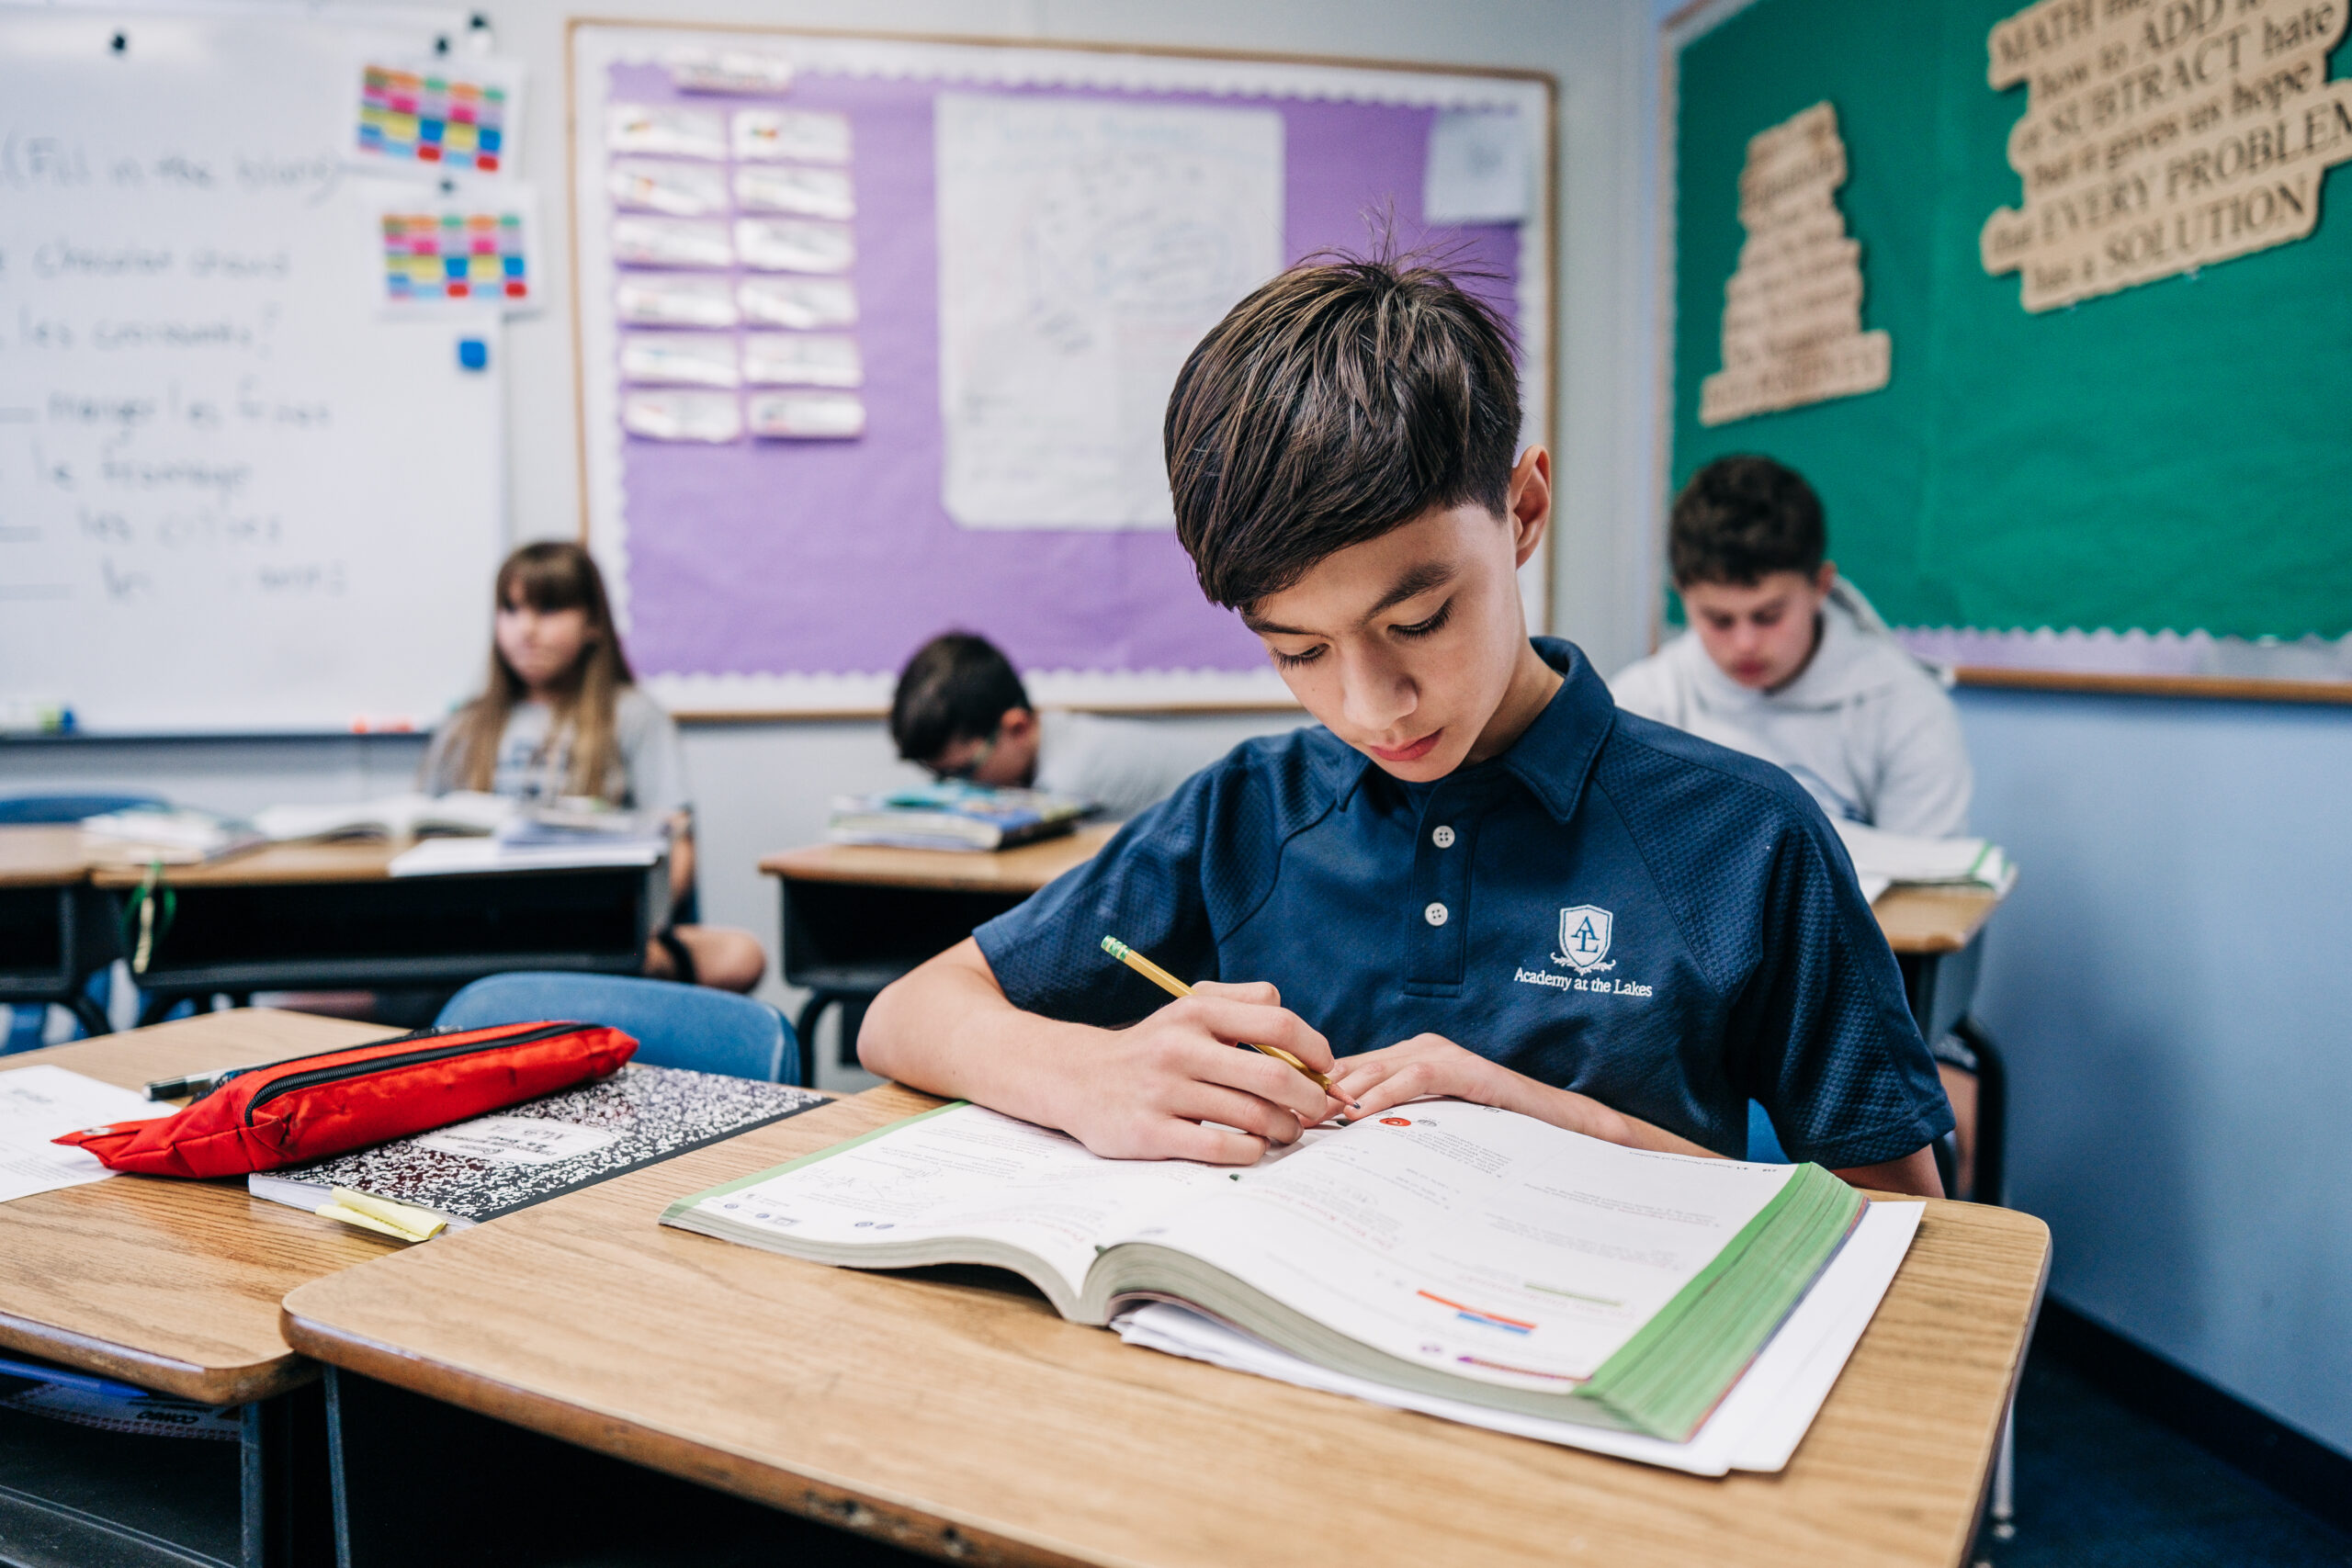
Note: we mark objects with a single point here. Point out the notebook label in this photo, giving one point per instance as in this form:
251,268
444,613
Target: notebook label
518,1140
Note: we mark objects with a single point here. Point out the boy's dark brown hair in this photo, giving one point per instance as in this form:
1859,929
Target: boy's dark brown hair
1742,518
956,687
1343,398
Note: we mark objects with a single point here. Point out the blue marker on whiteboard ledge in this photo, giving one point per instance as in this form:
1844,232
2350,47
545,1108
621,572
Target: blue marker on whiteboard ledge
473,354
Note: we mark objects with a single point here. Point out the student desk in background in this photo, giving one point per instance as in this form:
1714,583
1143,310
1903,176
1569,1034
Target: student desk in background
951,1412
55,930
173,1286
327,916
857,917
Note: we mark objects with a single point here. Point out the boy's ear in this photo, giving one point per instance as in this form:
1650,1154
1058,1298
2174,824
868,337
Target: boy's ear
1824,577
1529,502
1017,723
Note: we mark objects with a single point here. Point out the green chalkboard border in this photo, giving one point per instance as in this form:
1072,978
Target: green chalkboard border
2125,531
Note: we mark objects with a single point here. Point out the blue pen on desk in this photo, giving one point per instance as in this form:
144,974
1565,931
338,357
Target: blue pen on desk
83,1381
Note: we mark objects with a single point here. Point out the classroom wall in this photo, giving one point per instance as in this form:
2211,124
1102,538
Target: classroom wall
2170,985
764,786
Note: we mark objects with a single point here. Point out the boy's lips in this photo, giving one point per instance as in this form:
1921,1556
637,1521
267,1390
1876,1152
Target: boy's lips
1411,751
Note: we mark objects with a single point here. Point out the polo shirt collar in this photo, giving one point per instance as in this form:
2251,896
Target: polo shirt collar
1551,758
1557,751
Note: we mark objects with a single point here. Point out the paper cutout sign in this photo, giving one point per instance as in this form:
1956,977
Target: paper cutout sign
2162,137
1793,312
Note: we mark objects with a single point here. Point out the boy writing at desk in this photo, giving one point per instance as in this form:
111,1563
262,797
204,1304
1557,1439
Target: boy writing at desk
1544,904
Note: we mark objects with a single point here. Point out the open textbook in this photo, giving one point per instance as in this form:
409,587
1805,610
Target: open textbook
1446,1250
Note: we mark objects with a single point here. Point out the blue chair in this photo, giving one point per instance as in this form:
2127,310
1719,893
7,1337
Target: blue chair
675,1026
1763,1144
48,811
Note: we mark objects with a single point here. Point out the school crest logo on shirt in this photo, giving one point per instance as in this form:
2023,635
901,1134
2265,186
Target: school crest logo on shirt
1584,937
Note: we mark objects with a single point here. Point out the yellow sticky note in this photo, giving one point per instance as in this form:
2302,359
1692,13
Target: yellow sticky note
405,1221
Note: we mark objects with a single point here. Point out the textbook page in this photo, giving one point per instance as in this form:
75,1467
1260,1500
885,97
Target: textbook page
1472,1240
967,1173
39,1102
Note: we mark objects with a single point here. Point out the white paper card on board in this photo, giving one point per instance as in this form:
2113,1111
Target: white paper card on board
670,186
801,303
795,188
793,244
729,70
802,359
709,417
807,136
808,416
672,241
674,300
37,1104
1084,247
679,359
665,132
1480,169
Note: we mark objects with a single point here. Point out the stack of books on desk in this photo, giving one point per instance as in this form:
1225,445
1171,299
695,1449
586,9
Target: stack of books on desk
166,835
954,816
543,838
393,818
1884,859
1456,1259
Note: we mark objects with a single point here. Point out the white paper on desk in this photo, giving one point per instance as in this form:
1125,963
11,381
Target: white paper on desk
36,1105
467,857
1757,1427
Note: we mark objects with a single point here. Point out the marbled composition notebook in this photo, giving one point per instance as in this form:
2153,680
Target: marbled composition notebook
472,1171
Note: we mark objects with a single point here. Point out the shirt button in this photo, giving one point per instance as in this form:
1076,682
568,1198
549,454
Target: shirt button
1434,914
1442,837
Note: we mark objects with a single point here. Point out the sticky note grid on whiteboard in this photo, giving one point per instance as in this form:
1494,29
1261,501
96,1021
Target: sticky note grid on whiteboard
441,115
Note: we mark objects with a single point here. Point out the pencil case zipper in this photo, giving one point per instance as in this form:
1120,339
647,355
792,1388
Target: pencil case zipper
342,1070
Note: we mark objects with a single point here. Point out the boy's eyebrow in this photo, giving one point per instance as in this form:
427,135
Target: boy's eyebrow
1412,585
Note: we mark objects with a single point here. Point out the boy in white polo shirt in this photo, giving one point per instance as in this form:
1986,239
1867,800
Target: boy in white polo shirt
1787,661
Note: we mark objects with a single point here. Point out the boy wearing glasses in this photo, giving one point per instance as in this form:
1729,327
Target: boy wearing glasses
961,712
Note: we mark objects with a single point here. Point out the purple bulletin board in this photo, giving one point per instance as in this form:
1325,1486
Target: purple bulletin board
796,576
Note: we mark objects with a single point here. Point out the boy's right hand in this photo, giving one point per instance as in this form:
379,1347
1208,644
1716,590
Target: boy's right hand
1149,1091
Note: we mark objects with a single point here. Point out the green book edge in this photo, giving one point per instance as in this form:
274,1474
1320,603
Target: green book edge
724,1188
1628,1382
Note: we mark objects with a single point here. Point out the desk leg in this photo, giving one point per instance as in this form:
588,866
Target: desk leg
417,1482
283,1471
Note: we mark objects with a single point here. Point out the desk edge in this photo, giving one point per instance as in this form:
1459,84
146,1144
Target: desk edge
206,1385
824,1498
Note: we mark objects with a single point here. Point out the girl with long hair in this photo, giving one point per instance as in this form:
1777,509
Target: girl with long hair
562,717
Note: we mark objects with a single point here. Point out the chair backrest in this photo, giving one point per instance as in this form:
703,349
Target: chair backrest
675,1026
28,810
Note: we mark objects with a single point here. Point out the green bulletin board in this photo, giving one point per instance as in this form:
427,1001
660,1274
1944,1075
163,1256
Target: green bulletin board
2177,456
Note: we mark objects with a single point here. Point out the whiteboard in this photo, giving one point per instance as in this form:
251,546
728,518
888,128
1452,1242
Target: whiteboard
232,497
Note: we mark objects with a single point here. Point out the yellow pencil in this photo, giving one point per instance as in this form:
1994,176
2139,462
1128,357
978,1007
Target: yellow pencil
1175,987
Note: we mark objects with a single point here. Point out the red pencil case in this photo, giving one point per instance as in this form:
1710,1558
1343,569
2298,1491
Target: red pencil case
307,1108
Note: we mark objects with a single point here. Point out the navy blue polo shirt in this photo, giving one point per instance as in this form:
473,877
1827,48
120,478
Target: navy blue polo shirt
1611,906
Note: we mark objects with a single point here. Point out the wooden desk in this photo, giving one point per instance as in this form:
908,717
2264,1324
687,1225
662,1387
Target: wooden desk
1934,919
857,917
55,933
320,917
173,1286
967,1421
